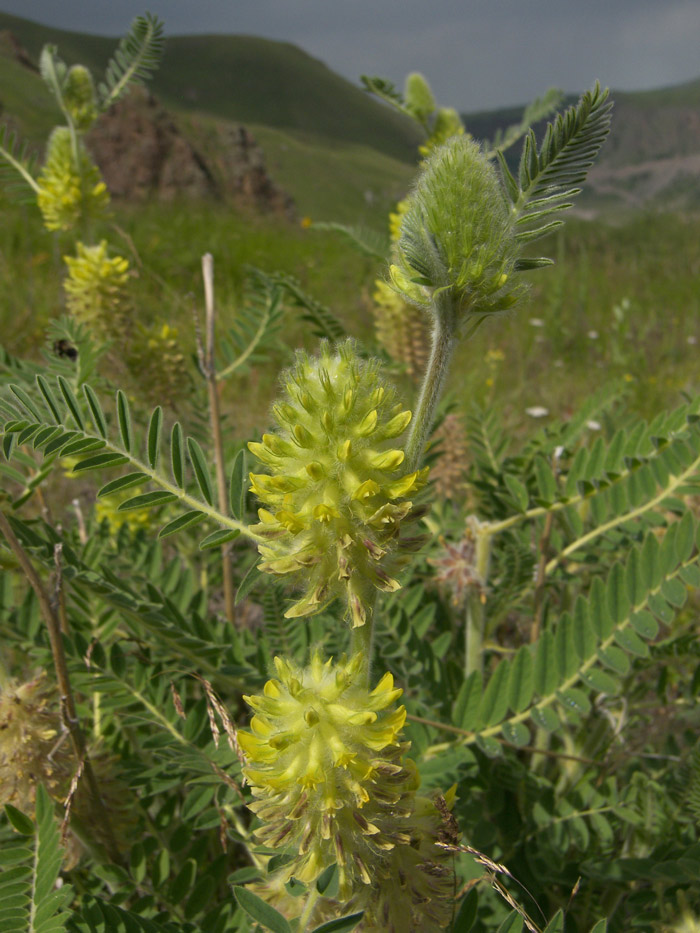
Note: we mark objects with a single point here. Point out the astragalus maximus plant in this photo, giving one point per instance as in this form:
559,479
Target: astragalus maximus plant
350,703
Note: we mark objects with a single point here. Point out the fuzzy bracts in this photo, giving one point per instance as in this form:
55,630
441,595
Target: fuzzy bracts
457,236
335,496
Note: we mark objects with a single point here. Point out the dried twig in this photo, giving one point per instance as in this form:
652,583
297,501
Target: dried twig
209,369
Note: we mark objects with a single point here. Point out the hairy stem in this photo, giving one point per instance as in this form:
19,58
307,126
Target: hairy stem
215,421
305,918
443,345
361,642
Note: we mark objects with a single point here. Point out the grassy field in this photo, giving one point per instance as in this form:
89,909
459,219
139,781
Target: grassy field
621,303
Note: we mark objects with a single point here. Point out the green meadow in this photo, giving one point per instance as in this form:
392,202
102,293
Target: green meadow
621,303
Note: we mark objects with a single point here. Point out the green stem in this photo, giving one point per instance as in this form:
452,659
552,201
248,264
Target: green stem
475,622
443,344
362,638
305,917
474,635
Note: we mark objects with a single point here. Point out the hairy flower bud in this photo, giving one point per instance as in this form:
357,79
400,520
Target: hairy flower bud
335,496
418,96
325,764
457,237
70,186
79,97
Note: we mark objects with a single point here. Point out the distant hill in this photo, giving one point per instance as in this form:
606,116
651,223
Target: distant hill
340,153
248,80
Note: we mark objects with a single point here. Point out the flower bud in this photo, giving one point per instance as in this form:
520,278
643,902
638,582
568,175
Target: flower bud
457,238
79,97
418,96
335,494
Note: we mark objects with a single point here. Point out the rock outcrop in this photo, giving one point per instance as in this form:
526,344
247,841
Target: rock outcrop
143,153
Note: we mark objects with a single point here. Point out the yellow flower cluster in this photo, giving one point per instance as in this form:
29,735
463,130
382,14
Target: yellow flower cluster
401,329
70,185
335,496
107,510
95,288
327,769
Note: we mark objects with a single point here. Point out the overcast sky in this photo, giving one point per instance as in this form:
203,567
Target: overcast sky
477,54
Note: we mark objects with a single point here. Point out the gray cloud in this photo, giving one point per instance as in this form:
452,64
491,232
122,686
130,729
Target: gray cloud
476,53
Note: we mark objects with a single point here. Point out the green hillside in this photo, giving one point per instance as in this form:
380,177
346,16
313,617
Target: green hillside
249,80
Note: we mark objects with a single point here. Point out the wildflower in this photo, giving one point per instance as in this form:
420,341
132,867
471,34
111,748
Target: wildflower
447,474
537,411
400,328
327,768
95,287
335,496
456,567
70,186
325,764
493,357
29,749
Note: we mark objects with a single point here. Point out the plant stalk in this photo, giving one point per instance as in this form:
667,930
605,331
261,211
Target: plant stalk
70,717
444,340
475,621
308,910
215,421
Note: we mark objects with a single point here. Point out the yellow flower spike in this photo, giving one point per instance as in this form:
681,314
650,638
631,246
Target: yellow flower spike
329,477
70,188
95,288
327,769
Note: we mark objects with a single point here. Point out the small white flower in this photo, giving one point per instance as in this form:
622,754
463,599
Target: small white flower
691,340
592,334
536,322
537,411
593,425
